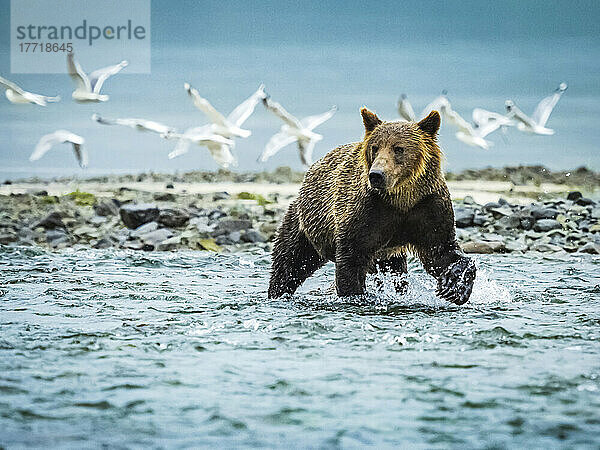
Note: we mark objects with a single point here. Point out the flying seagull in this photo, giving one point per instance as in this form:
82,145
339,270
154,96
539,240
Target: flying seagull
407,112
61,137
436,104
137,124
88,87
484,123
294,130
405,109
15,94
229,126
218,146
536,124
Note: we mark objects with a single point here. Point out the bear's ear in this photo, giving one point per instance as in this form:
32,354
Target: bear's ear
431,123
370,119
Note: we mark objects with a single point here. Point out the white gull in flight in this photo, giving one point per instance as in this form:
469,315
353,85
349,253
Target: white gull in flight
536,124
61,137
88,87
15,94
229,126
294,130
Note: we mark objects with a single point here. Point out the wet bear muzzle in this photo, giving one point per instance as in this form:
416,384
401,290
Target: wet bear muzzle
377,178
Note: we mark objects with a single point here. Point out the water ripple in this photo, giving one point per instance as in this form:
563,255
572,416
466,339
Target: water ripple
185,348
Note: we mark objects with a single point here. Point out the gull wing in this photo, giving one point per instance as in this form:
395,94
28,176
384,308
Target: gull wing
12,86
204,105
222,155
280,112
456,119
487,128
41,100
181,148
544,108
138,124
405,109
276,143
103,120
311,122
145,125
306,151
203,135
98,77
77,74
436,104
488,121
241,113
482,116
48,141
81,154
514,112
150,125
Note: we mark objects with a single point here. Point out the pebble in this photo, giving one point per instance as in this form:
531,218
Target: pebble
482,247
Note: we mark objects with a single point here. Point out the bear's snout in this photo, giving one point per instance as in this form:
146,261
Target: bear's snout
377,178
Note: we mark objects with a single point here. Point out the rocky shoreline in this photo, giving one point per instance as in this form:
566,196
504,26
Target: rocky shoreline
137,219
571,224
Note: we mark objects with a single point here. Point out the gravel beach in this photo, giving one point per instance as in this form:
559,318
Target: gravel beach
526,209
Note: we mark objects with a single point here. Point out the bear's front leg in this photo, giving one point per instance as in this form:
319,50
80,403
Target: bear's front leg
351,267
294,257
455,272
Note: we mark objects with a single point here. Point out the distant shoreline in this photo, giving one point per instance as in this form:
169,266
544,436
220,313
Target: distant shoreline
581,178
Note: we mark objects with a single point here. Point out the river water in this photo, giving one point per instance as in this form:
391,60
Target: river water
106,348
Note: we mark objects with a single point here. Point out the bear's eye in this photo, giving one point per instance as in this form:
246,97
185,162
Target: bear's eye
398,149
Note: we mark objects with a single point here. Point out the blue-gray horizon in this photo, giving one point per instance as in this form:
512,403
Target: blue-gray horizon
316,56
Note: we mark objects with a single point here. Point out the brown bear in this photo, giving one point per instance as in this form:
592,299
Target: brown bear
365,204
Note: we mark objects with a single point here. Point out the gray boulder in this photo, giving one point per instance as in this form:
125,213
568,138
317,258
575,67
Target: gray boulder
544,213
138,214
226,226
103,243
501,211
591,247
546,225
463,217
508,222
143,229
169,244
157,236
527,222
220,196
545,247
107,207
235,237
8,237
584,201
253,236
57,237
50,222
174,218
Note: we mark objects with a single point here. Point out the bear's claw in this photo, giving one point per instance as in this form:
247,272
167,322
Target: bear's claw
456,283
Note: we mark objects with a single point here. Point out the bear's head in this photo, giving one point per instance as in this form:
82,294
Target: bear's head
398,154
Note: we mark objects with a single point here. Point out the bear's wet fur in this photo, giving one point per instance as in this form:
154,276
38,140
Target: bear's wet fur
365,205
